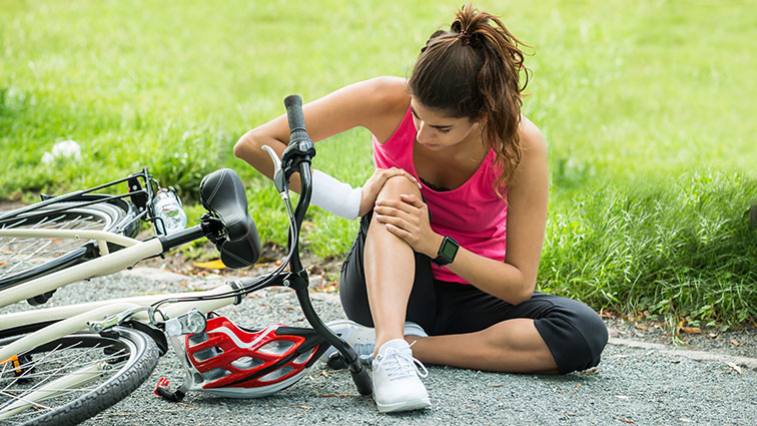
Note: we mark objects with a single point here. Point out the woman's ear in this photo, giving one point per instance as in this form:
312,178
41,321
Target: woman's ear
480,122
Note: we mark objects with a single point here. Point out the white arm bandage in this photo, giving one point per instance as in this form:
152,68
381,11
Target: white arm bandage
335,196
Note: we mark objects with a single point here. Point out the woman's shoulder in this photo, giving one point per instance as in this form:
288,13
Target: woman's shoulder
391,99
533,148
389,93
531,138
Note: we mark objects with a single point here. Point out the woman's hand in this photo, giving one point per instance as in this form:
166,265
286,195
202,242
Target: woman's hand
407,218
374,184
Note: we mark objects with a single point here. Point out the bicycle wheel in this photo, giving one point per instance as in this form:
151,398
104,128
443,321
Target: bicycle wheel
22,258
73,378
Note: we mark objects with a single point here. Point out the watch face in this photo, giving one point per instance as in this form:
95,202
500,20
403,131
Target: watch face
448,249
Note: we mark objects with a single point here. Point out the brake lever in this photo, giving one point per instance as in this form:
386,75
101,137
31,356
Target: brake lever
279,180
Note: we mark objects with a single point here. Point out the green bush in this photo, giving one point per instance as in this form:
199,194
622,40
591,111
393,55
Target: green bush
684,250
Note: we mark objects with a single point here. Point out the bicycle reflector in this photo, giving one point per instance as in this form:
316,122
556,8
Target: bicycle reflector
231,361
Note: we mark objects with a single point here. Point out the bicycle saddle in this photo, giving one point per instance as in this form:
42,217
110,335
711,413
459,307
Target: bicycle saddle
222,194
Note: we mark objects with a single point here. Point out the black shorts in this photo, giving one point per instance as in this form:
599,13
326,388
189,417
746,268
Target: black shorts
573,332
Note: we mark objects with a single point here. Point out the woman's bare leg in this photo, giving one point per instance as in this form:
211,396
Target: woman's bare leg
511,346
389,264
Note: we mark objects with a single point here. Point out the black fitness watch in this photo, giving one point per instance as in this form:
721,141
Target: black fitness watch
447,252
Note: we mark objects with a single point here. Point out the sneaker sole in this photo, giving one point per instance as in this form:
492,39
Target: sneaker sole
418,404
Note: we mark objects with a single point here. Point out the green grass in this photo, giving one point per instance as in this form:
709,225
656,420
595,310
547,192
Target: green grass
685,250
641,105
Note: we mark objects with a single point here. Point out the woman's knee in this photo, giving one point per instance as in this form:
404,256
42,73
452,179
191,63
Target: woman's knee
575,334
396,185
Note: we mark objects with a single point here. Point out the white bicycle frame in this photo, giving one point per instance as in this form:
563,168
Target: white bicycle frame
75,318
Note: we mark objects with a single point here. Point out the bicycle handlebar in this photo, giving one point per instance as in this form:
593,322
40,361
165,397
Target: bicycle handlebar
293,104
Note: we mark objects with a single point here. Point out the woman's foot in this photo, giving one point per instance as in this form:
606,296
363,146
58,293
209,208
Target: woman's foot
397,376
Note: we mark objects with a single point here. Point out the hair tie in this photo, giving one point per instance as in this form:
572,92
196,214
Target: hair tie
465,37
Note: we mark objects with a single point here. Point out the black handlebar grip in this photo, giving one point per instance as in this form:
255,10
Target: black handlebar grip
363,381
293,104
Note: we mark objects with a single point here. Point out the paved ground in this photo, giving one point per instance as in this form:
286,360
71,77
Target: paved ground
649,384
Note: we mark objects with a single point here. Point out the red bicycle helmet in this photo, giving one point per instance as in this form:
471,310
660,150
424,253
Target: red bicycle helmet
232,361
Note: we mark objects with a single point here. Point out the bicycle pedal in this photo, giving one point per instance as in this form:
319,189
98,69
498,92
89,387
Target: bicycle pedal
336,362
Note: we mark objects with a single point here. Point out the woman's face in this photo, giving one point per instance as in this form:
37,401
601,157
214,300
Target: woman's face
436,130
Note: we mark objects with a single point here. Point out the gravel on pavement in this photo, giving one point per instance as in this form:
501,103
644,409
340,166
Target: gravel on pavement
631,385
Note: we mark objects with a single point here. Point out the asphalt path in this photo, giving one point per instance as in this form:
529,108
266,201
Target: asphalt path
636,383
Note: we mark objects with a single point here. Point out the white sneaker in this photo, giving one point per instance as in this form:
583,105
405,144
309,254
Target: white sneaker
363,339
396,382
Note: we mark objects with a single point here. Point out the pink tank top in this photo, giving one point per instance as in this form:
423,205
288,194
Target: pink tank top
472,213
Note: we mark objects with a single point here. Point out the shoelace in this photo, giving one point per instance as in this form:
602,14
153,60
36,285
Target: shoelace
400,364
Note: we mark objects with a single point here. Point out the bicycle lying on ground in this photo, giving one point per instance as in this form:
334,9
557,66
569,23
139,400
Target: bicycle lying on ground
62,365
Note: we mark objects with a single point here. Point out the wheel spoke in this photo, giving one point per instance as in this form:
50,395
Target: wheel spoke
45,373
59,361
19,254
15,398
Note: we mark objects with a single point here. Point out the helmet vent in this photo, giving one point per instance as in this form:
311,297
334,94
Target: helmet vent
215,374
277,347
276,374
195,339
246,363
206,354
304,357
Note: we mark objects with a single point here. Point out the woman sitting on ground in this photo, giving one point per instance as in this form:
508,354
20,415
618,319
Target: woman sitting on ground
444,265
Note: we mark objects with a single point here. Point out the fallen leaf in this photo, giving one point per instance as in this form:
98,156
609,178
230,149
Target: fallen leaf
691,330
735,342
589,372
628,421
735,367
713,335
213,264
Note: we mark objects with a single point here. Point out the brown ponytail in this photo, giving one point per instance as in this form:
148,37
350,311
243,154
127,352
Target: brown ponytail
473,70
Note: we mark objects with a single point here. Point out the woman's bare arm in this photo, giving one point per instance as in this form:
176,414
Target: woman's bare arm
372,104
515,280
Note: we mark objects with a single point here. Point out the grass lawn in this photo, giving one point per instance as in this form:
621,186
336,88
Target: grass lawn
648,110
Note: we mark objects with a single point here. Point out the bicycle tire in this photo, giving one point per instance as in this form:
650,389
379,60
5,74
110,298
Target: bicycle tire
107,216
143,355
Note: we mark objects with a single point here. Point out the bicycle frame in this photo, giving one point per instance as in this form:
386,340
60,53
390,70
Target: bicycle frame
73,318
100,315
